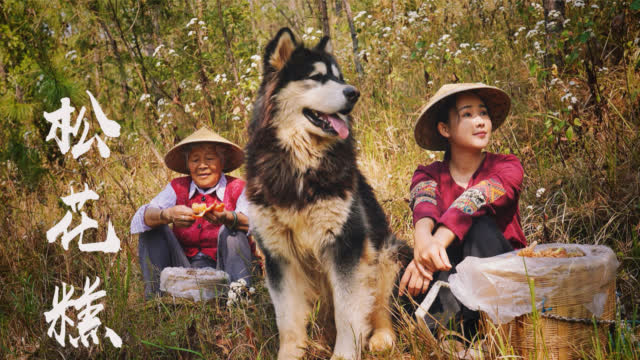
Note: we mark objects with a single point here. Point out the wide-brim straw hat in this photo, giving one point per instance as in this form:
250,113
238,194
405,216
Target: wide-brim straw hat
426,131
176,160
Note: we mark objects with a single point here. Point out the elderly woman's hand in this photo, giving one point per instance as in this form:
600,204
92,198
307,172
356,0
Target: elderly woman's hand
219,217
179,215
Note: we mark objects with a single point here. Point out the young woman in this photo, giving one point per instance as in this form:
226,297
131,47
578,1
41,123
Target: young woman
467,204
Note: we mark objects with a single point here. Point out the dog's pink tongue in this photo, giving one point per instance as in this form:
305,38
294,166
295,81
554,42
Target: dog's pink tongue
339,126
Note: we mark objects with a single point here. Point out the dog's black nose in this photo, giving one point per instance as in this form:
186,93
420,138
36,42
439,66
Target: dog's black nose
351,93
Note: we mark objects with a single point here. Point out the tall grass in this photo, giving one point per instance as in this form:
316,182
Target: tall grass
584,153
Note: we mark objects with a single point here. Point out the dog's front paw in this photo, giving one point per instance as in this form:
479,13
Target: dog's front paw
381,340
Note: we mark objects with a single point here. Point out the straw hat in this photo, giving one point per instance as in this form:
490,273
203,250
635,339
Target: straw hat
175,159
426,131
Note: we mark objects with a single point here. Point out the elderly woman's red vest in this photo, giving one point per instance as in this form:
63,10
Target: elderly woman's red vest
203,235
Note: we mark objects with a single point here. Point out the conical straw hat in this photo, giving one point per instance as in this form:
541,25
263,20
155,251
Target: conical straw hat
175,159
426,131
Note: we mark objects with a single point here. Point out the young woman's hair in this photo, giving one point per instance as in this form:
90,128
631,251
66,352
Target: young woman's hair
443,109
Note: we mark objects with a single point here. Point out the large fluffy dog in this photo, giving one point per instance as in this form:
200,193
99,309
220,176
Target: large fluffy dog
323,234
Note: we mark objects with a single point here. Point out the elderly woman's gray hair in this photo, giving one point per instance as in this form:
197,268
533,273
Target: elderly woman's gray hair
220,150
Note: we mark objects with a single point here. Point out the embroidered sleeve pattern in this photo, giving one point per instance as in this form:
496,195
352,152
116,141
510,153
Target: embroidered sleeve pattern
423,191
486,191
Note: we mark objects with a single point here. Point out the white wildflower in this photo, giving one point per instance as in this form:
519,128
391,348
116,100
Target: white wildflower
155,52
69,54
540,192
464,45
144,97
530,207
191,22
205,38
201,23
191,33
235,285
252,290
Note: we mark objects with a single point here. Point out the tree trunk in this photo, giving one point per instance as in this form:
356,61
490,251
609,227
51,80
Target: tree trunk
227,42
322,4
253,18
338,7
354,38
551,32
204,80
292,22
141,74
3,72
116,54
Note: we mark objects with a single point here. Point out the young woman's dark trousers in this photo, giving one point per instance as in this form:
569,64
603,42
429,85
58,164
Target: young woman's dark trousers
484,239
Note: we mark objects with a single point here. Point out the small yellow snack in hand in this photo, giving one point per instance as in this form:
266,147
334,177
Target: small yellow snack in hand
201,208
198,207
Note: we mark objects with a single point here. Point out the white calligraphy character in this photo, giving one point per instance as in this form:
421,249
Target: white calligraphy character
61,119
88,322
109,127
76,202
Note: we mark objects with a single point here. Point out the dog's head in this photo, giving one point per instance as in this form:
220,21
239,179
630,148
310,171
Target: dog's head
306,87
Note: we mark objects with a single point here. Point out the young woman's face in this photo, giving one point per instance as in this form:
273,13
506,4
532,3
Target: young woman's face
469,123
205,166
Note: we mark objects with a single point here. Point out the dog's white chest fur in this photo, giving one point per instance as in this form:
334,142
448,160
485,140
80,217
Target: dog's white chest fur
293,233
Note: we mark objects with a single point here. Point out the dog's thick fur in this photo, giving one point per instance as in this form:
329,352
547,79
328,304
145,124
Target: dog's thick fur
322,232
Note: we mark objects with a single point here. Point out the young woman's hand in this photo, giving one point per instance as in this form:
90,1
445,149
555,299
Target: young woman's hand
413,281
179,215
430,255
429,248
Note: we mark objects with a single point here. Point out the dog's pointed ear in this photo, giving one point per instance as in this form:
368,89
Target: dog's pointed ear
279,50
325,45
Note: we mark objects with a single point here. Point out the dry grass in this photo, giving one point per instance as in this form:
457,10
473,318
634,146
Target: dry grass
592,181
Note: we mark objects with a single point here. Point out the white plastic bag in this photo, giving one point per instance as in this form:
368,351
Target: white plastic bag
197,284
498,285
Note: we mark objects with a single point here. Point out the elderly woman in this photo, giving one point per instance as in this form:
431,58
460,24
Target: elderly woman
218,239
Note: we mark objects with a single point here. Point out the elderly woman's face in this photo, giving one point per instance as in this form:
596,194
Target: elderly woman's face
205,166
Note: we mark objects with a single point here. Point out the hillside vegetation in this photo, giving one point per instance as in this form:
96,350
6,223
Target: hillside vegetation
162,69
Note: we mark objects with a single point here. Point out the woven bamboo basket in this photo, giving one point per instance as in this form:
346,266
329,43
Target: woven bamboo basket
562,339
556,339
